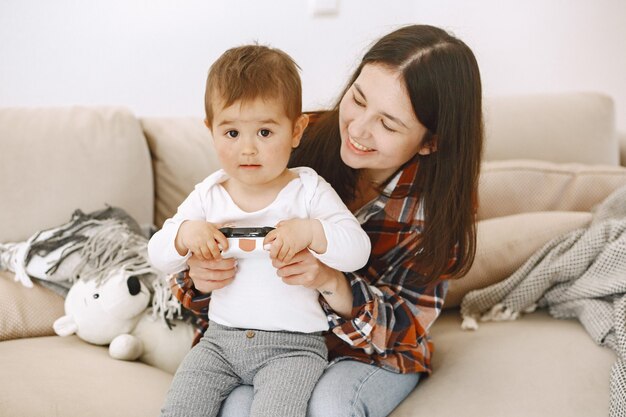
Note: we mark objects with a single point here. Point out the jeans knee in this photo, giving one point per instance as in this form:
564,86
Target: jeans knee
328,402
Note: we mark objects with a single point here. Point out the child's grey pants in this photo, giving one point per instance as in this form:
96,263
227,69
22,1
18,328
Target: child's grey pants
283,367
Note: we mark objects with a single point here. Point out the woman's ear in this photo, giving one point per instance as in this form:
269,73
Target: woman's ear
430,146
298,129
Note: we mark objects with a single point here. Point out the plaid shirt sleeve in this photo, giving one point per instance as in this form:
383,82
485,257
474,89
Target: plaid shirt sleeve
193,300
391,318
190,298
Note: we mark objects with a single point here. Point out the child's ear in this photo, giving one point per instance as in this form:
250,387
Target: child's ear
208,125
298,129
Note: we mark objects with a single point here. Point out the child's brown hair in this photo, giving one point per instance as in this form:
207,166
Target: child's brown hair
249,72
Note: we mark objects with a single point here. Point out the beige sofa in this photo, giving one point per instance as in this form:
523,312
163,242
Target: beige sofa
548,160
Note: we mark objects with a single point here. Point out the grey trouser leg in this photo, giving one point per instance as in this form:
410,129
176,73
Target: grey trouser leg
203,380
282,388
283,367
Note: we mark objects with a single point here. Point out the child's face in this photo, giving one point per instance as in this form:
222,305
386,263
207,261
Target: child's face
253,140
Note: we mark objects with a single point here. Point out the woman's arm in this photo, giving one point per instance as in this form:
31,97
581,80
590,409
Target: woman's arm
305,269
388,318
391,309
371,312
193,287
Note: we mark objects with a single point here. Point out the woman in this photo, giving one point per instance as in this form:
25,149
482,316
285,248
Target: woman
402,148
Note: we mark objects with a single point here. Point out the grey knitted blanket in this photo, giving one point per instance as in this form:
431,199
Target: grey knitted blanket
581,274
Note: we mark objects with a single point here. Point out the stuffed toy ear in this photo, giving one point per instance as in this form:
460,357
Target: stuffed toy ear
65,326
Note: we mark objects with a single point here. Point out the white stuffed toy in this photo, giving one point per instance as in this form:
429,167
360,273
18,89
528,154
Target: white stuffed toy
114,295
116,313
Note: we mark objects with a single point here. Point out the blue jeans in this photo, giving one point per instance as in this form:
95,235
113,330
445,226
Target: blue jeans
346,389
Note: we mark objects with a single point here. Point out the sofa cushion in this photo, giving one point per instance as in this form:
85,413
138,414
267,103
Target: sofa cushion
182,156
503,244
519,186
56,160
535,366
64,376
27,312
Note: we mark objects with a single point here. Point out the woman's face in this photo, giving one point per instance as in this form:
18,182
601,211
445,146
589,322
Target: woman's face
379,130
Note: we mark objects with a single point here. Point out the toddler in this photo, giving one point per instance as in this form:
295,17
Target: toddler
262,331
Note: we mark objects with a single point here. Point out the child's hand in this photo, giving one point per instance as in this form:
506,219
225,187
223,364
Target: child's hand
201,238
288,238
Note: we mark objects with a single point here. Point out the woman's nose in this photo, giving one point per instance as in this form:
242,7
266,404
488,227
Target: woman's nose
358,128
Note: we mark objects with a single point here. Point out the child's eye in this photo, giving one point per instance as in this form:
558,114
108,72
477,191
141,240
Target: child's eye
265,133
232,134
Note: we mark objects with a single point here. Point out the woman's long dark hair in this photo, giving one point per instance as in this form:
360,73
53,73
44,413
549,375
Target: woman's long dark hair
443,82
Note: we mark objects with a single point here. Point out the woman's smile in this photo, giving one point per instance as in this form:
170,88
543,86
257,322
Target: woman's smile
357,146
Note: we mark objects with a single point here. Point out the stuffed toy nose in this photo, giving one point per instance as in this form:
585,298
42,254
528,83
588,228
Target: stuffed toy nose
134,286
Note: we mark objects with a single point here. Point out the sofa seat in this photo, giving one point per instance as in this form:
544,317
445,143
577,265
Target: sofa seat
534,366
529,367
64,376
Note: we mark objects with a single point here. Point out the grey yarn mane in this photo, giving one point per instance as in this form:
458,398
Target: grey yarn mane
105,242
74,234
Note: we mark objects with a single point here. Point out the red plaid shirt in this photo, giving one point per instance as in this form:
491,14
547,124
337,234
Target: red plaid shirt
391,313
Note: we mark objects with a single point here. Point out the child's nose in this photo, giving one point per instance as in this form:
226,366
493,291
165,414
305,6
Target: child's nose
249,146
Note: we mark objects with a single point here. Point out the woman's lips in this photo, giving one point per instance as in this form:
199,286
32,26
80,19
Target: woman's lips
357,147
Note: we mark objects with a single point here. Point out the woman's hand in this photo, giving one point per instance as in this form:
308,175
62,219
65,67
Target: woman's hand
209,275
306,270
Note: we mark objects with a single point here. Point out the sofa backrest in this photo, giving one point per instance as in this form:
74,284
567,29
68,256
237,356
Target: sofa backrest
182,156
546,130
56,160
565,127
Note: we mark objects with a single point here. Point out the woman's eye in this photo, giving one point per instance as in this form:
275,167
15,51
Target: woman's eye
232,134
266,133
357,102
387,127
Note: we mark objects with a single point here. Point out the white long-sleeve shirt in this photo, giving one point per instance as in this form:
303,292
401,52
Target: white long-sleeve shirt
257,298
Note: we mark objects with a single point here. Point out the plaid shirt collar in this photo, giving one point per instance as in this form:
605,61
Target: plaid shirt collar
399,185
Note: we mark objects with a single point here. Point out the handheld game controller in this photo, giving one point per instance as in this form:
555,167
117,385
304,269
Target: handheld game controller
245,242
